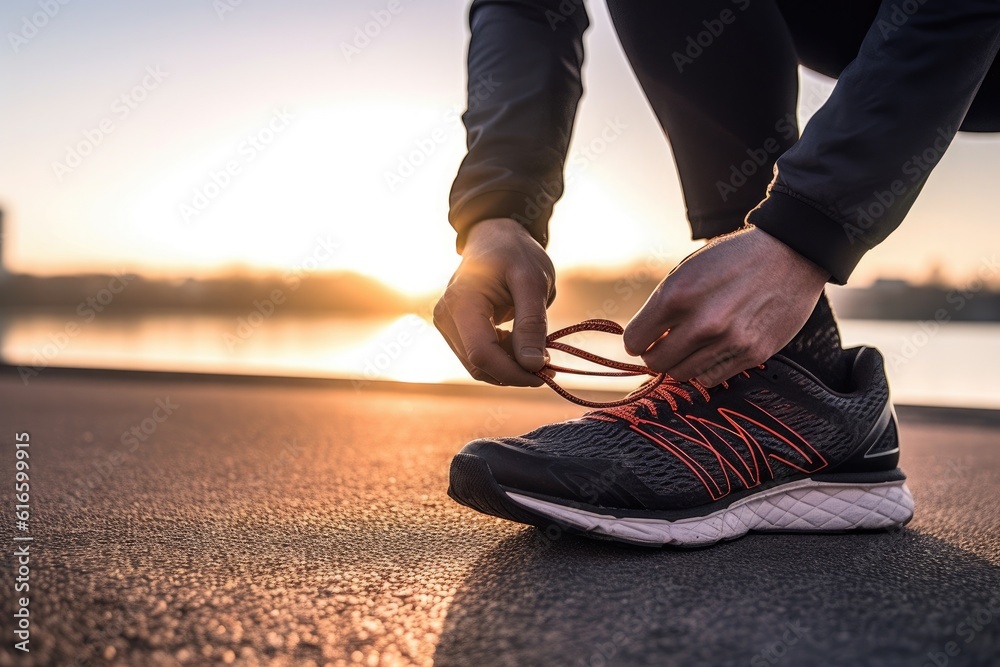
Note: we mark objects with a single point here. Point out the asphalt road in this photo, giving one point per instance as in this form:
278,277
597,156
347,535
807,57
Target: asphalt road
297,523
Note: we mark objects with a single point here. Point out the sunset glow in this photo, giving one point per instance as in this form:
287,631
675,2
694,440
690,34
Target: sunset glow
257,163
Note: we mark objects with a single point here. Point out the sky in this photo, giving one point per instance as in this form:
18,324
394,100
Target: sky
200,137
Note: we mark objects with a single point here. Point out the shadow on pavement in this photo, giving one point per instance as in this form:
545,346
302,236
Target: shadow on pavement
897,598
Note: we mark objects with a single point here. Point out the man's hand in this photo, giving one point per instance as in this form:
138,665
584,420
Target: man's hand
504,274
726,308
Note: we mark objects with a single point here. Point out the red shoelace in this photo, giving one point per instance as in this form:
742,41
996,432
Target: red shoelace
660,385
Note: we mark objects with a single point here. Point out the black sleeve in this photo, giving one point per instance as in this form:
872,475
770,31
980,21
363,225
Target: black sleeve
525,58
863,158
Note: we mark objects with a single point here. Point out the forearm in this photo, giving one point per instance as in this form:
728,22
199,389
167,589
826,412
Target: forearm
524,65
864,157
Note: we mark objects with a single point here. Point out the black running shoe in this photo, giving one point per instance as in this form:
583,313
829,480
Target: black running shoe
773,449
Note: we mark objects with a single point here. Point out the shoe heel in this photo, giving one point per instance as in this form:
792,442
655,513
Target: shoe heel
826,507
879,451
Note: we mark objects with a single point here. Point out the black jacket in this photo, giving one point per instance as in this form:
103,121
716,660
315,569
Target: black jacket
840,190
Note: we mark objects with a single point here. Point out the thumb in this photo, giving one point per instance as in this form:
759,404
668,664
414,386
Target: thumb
530,324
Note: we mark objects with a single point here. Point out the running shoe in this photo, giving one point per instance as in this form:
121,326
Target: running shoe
677,463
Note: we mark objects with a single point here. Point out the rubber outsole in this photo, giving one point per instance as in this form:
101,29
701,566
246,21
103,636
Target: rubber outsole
805,505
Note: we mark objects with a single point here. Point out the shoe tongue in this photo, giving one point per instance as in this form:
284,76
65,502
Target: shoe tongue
831,367
817,348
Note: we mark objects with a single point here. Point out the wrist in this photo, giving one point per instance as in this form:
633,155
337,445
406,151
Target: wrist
771,245
497,229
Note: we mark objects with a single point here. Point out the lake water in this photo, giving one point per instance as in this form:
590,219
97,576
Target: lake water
954,364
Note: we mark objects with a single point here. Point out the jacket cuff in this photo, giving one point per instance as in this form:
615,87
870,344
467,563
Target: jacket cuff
808,231
529,212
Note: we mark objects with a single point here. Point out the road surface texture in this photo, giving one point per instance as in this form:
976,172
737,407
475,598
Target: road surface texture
198,520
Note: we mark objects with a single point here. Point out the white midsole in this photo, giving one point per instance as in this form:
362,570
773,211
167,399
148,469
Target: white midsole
803,505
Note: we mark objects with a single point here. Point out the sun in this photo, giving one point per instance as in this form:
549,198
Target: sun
320,182
356,178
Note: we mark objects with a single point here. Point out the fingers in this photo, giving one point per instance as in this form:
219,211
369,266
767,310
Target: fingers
687,342
710,364
446,325
726,369
530,322
655,317
479,339
725,308
707,350
691,347
466,322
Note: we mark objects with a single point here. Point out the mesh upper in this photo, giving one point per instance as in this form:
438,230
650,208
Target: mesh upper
832,424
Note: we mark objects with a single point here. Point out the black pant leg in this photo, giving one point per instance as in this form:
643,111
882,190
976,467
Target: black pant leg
721,78
828,33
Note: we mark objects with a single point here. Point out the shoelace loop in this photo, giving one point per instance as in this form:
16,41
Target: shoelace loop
622,369
660,384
